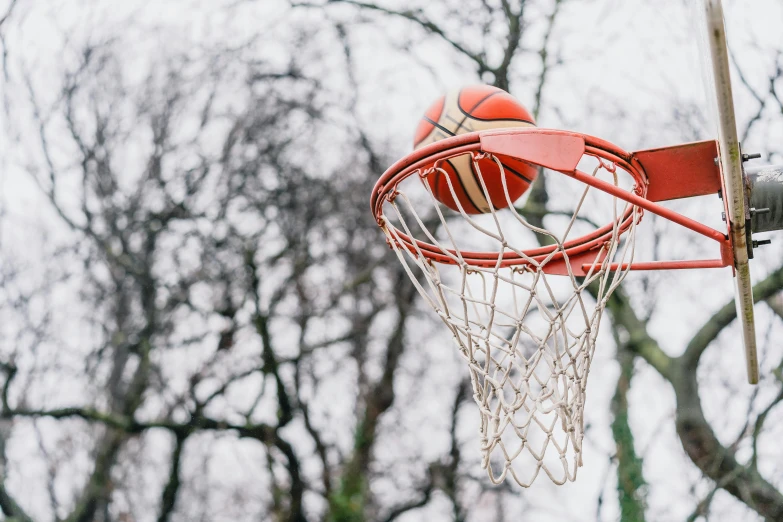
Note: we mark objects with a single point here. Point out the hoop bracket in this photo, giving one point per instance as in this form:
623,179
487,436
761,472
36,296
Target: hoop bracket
681,171
561,151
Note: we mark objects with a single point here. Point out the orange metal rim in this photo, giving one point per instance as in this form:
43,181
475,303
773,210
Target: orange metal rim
386,186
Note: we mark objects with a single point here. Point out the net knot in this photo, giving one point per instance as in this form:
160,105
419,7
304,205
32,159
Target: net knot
392,194
607,165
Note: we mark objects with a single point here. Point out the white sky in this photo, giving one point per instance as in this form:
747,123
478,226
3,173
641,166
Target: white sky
627,64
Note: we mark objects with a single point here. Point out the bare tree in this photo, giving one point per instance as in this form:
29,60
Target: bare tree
213,327
716,461
224,274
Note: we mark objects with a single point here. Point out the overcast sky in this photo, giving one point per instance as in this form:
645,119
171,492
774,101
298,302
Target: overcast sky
627,66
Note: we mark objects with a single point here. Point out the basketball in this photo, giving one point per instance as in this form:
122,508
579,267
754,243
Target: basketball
470,109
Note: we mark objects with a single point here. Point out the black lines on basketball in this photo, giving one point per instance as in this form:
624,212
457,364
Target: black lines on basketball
503,108
481,187
429,121
516,173
440,127
520,120
467,199
460,123
469,113
516,182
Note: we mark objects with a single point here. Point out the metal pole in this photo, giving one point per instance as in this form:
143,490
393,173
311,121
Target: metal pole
766,192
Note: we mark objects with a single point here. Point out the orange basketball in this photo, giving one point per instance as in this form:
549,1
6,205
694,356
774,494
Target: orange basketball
471,109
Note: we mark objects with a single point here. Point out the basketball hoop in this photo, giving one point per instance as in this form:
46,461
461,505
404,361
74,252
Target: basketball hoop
524,317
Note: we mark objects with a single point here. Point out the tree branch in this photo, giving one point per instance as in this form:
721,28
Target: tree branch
11,508
696,435
8,504
543,53
763,290
762,417
712,458
169,497
415,17
3,44
639,341
426,490
513,40
350,500
630,478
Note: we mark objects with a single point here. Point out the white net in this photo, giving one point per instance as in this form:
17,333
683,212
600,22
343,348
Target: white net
527,336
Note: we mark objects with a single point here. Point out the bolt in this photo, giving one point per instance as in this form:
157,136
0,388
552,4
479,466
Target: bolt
757,211
723,216
761,242
746,157
716,160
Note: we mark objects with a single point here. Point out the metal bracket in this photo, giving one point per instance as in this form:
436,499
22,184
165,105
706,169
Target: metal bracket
746,193
765,184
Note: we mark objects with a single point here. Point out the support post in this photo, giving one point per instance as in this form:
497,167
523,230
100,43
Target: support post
766,192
